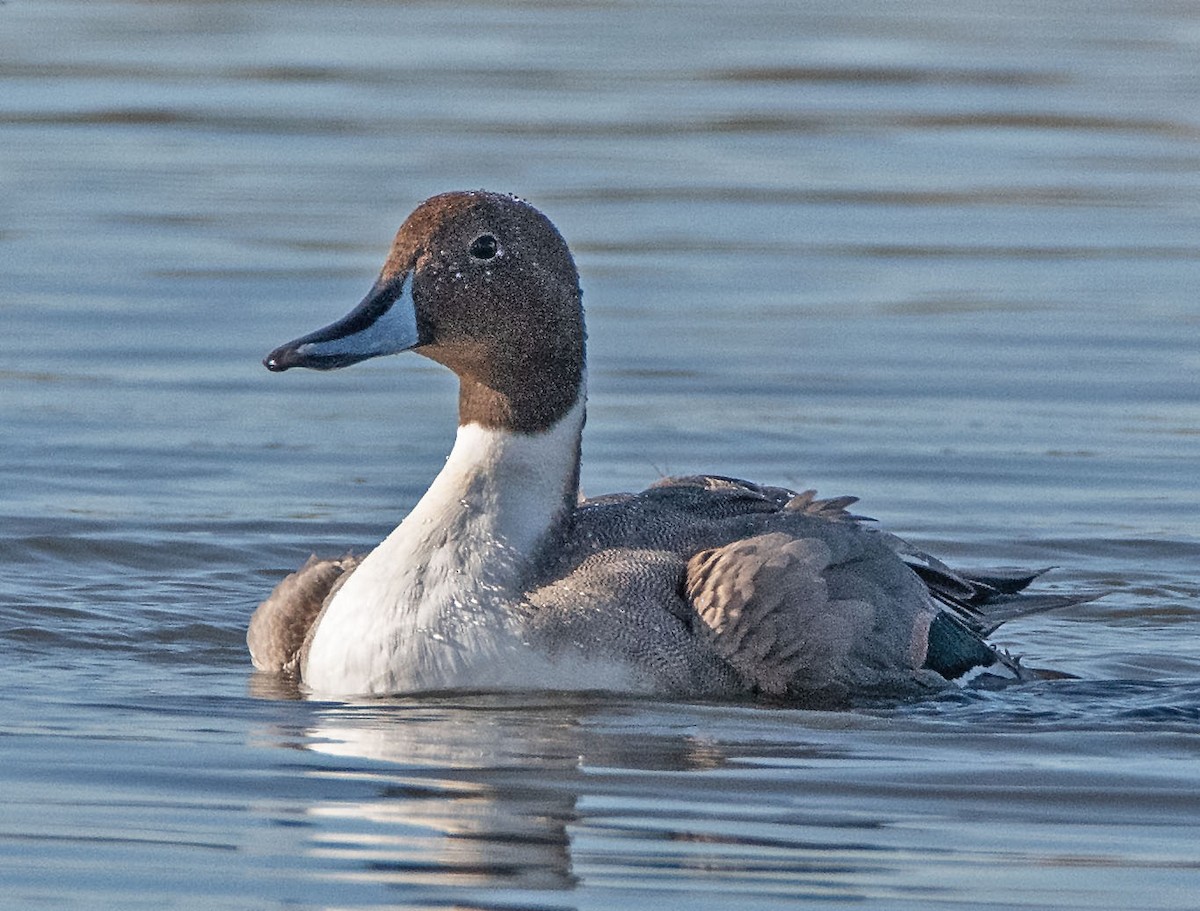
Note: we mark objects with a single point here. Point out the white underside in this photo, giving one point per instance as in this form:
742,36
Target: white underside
439,603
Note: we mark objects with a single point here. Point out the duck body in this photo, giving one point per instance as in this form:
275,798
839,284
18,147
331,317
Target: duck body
502,578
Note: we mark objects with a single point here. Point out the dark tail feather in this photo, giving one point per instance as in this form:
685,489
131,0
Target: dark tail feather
979,602
985,599
986,617
1006,581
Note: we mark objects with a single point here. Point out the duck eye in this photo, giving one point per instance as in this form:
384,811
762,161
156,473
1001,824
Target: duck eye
484,247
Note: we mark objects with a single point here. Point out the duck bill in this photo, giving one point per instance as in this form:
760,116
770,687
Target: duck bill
384,323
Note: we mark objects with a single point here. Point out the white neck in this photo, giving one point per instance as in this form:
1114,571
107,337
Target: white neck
442,588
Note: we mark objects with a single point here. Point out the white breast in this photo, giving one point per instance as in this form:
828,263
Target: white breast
439,604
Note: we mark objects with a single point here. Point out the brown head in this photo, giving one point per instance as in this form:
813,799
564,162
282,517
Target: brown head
483,283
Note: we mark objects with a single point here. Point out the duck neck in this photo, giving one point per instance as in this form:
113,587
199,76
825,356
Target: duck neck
505,488
441,585
501,499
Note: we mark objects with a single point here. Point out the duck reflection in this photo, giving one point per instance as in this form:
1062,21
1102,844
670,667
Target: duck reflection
478,793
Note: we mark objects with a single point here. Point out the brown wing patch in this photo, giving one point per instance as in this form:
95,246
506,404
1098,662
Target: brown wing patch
281,627
763,605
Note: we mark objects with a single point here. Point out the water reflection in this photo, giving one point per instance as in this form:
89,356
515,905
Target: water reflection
508,795
504,800
472,799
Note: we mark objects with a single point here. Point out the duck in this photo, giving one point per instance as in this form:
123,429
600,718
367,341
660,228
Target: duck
503,577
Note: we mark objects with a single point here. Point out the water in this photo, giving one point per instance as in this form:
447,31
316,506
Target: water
942,255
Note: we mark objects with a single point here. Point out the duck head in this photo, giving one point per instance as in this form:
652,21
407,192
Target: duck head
484,284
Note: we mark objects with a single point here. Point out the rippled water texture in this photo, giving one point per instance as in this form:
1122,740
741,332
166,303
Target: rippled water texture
942,255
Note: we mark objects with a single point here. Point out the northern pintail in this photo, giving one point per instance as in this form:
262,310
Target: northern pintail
501,577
